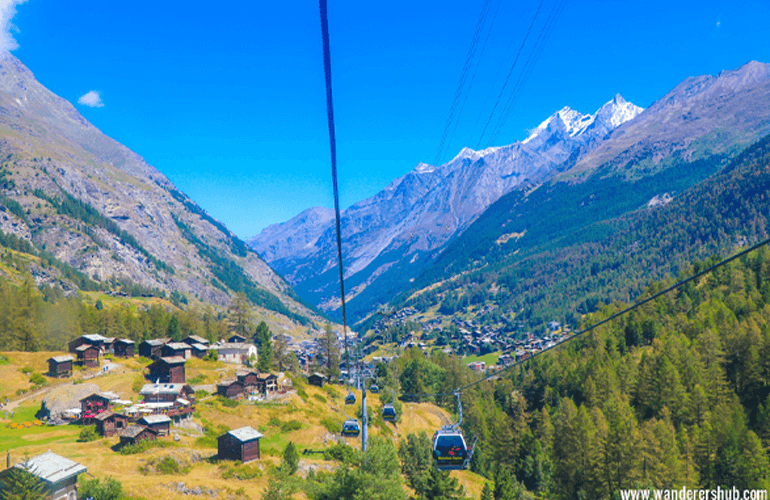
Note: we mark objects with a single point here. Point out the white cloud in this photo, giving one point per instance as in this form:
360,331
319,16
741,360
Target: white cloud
7,12
92,99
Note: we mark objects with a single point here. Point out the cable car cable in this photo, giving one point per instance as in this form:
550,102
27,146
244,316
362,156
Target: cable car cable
602,322
322,6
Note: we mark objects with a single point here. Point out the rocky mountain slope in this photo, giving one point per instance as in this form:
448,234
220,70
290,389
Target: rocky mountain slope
389,238
85,211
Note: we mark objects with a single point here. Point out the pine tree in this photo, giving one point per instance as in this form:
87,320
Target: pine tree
20,484
290,460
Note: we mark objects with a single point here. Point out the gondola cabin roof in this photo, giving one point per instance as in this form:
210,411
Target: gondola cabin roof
351,427
450,452
350,399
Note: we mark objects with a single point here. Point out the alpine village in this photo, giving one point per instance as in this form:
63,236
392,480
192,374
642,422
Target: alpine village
571,316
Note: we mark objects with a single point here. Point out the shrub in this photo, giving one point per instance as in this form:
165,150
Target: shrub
139,382
274,422
110,489
132,449
198,379
37,379
301,392
27,370
340,452
291,425
227,402
88,433
332,425
320,398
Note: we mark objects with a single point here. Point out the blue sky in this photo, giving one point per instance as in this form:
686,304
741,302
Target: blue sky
227,98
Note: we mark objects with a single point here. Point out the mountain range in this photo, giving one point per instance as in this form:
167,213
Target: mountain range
84,212
423,223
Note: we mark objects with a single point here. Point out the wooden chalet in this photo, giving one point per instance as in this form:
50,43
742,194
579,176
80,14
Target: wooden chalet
195,339
317,379
199,350
134,434
95,340
60,366
93,405
176,349
124,348
150,349
239,444
58,475
236,339
248,380
230,389
109,423
168,370
161,424
88,356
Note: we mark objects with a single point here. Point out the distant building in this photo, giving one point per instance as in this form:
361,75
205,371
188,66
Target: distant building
60,366
88,355
95,340
124,348
134,434
317,379
235,352
166,393
239,444
168,370
195,339
93,405
150,349
236,339
109,423
176,349
230,389
59,475
159,423
554,326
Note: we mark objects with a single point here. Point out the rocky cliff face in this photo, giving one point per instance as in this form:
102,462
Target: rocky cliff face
389,237
100,209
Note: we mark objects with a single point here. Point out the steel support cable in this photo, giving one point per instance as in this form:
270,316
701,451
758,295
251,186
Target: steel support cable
600,323
524,75
475,72
463,77
510,72
322,4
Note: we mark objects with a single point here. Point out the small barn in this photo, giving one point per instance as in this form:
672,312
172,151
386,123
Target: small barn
88,355
58,475
195,339
168,370
176,349
199,350
134,434
161,424
317,379
124,348
239,444
230,389
60,366
95,340
248,379
150,349
109,423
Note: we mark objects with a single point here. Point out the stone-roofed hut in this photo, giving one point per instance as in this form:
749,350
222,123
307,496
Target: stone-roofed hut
150,349
166,393
124,348
195,339
60,366
134,434
168,370
88,355
176,349
199,350
317,379
109,423
159,423
92,405
239,444
59,475
248,379
230,389
94,339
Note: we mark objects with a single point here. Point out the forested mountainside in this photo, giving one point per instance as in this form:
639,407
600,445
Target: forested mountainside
676,393
637,158
557,252
80,211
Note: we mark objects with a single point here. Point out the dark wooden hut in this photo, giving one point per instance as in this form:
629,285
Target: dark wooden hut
134,434
168,370
60,366
109,423
124,348
239,444
159,423
88,355
317,379
230,389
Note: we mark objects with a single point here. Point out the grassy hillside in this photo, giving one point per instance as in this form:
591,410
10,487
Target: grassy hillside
307,418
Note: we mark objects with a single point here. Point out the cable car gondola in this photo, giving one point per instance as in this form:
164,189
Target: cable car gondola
374,389
350,399
450,450
389,413
351,428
